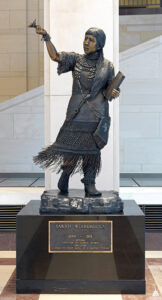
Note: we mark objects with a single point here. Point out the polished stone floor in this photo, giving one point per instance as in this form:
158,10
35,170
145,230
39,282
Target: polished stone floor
140,180
153,281
153,273
37,180
22,180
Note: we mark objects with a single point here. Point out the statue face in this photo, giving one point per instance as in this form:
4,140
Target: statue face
89,44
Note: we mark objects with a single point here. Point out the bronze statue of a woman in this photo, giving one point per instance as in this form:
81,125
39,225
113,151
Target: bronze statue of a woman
75,148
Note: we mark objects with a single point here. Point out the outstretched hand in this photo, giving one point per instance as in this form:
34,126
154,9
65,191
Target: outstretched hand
40,30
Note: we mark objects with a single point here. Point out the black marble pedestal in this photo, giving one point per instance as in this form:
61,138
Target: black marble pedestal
121,270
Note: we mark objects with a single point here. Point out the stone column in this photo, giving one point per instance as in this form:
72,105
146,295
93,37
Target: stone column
66,21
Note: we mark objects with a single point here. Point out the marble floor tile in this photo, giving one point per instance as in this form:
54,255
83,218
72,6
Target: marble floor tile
39,182
17,182
154,261
152,289
153,254
151,286
127,182
156,271
5,272
141,297
80,297
9,292
2,179
7,254
19,195
7,261
10,288
133,297
153,182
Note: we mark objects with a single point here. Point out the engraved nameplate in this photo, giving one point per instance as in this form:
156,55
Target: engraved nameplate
80,236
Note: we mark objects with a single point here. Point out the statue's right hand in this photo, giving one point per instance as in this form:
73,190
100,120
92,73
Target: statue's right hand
40,30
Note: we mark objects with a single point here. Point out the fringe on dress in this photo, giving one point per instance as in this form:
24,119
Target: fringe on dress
50,157
74,148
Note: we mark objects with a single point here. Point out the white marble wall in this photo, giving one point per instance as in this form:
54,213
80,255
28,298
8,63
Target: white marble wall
137,29
67,21
21,131
141,108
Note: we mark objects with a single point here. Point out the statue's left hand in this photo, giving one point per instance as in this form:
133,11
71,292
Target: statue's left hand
115,93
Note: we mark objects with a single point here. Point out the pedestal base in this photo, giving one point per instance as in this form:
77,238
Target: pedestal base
90,263
53,202
80,287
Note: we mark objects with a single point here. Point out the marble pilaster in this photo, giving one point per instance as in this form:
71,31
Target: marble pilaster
66,21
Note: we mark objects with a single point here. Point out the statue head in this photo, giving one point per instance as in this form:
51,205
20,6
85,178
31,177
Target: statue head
94,40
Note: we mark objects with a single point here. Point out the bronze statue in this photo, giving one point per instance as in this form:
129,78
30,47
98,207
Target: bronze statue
81,137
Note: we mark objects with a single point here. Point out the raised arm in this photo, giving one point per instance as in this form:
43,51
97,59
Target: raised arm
54,55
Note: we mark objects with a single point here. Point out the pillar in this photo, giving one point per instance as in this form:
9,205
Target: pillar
66,21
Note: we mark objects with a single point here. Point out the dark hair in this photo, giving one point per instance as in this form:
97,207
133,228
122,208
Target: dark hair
99,35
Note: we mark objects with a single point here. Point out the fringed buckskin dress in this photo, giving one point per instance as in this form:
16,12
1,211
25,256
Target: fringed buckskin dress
75,148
